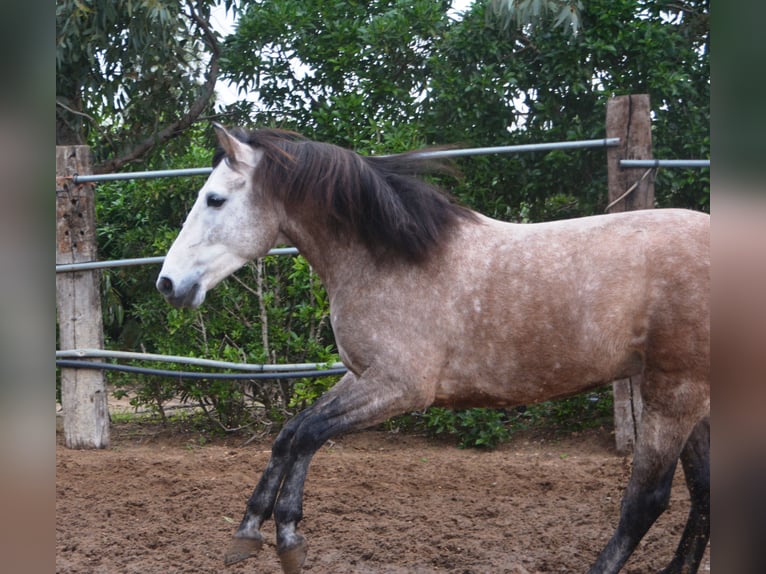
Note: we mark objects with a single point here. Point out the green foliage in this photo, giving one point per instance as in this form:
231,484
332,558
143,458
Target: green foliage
132,74
591,409
567,14
336,70
476,428
491,85
487,428
376,75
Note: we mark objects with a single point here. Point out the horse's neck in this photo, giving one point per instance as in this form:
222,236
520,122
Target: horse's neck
334,258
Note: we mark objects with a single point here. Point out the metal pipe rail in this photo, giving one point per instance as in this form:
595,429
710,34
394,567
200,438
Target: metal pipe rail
603,142
664,163
144,261
127,355
199,375
521,148
191,171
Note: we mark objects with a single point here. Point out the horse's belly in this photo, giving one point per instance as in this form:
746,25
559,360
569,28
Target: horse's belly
512,381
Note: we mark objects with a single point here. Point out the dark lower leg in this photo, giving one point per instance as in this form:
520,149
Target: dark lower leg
248,540
313,431
345,411
696,463
291,545
642,504
288,511
351,404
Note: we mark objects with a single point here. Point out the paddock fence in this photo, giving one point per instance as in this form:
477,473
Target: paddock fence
82,358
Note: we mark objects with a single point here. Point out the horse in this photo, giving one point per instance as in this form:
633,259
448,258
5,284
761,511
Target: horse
432,303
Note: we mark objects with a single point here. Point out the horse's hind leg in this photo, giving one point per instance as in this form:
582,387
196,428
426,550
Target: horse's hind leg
648,492
696,462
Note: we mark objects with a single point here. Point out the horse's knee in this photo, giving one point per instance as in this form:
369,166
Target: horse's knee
311,434
657,500
283,444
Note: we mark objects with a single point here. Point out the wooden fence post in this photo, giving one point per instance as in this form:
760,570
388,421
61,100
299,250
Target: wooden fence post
78,302
628,118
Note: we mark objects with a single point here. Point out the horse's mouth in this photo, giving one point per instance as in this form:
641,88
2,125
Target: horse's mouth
189,299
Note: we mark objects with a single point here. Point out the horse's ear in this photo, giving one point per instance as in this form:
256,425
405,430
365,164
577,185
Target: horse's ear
227,141
235,150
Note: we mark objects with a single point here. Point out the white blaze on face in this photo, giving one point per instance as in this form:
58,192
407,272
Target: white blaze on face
228,226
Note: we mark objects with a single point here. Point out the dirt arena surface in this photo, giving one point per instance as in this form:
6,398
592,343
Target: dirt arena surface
376,503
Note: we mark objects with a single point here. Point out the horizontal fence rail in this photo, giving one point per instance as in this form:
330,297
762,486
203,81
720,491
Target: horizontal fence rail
679,163
127,355
68,267
199,375
450,153
187,172
522,148
465,152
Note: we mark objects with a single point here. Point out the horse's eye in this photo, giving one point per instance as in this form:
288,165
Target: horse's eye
214,200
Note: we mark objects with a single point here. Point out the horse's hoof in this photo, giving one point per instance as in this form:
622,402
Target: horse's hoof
292,558
242,548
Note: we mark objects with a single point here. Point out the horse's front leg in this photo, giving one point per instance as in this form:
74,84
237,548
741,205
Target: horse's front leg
248,540
352,404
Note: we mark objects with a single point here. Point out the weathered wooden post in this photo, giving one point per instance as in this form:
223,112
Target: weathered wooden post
78,302
628,118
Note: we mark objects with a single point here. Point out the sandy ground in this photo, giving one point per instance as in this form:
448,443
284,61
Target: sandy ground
376,502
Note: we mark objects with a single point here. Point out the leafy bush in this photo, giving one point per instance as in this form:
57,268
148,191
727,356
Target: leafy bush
487,428
476,428
591,409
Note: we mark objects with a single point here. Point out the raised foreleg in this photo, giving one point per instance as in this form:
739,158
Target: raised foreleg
352,404
248,540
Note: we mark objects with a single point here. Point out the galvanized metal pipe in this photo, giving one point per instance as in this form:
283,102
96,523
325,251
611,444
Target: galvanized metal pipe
191,171
127,355
197,375
665,163
143,261
603,142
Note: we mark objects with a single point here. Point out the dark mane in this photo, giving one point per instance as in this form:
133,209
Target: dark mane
381,200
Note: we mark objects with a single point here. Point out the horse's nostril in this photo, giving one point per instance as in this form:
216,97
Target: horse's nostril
165,285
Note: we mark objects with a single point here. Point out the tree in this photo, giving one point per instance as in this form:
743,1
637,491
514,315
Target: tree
385,75
131,75
344,71
494,84
567,13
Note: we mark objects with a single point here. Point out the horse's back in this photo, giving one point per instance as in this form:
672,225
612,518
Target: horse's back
548,309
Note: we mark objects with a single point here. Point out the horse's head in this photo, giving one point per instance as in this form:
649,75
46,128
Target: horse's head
230,224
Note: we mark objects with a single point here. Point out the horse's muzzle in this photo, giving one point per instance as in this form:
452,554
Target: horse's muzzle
179,296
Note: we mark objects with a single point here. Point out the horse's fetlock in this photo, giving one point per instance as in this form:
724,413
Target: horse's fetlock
288,537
